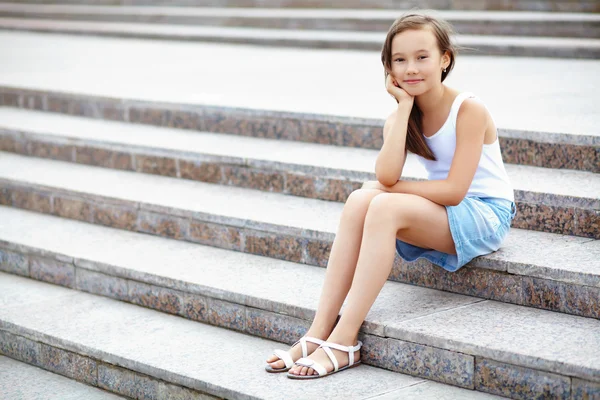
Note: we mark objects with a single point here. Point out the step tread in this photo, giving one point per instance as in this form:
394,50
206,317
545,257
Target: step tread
529,337
215,360
23,381
545,255
452,15
306,157
261,33
566,107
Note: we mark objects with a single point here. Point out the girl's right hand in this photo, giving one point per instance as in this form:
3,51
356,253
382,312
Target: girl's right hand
401,95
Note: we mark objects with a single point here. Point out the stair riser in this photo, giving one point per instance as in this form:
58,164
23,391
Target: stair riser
548,150
545,213
483,27
44,353
536,5
485,278
480,50
384,351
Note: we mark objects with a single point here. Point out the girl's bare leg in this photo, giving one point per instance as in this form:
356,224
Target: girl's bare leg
340,270
390,215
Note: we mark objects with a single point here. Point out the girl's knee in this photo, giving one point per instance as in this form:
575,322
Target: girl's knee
363,196
386,207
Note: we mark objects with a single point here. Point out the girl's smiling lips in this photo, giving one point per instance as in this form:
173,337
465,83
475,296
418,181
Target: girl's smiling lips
412,81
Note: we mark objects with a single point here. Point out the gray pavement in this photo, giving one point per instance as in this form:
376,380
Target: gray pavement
535,94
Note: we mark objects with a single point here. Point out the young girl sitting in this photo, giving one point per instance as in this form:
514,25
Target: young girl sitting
462,211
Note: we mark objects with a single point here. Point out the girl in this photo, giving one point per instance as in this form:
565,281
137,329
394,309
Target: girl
462,211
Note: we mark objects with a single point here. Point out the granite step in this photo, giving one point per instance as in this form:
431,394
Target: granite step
522,46
553,126
549,271
509,23
493,347
576,151
21,381
556,201
144,354
535,5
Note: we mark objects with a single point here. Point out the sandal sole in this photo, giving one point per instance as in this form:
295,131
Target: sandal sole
292,376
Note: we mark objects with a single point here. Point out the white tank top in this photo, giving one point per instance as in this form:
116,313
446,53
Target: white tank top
490,179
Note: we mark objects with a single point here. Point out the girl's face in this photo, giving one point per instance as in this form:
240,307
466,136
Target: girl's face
416,61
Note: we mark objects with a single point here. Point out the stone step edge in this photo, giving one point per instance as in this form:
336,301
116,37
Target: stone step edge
278,177
485,277
548,5
570,151
161,298
64,359
536,25
253,12
581,48
168,162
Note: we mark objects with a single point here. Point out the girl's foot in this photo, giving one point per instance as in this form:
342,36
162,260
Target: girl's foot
295,352
322,358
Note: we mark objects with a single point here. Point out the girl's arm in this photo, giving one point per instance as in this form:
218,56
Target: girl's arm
391,158
471,125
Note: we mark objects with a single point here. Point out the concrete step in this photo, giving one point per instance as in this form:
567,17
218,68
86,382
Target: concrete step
535,5
565,202
582,48
144,354
504,349
509,23
537,269
19,380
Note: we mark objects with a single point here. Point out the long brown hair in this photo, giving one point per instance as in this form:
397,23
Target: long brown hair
415,142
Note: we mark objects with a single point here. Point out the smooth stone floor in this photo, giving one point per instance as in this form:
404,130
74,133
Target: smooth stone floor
533,179
20,381
534,94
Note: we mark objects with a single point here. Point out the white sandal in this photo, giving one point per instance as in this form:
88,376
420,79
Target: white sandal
307,362
287,359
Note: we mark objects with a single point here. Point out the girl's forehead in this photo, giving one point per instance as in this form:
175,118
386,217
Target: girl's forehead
412,40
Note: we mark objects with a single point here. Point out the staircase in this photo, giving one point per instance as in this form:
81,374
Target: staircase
166,216
540,28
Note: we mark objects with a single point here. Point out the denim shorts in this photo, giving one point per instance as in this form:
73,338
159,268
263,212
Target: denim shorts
478,227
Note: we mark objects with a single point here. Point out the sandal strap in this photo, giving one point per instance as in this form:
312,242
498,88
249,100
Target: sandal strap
308,339
348,349
285,356
334,360
307,362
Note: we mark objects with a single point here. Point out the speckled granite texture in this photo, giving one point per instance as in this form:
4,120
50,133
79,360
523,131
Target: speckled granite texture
573,151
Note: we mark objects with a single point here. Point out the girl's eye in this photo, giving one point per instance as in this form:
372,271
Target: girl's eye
399,59
423,57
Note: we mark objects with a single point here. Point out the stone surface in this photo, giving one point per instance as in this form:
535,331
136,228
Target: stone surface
315,70
52,271
489,329
520,383
582,390
142,341
69,364
14,263
127,383
73,208
20,348
101,284
22,381
431,363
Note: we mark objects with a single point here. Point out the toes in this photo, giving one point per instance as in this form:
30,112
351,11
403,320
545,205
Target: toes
303,372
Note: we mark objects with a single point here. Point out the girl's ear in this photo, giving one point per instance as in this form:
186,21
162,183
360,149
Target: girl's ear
446,58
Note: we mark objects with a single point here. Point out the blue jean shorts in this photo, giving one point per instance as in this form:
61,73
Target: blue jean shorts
478,227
